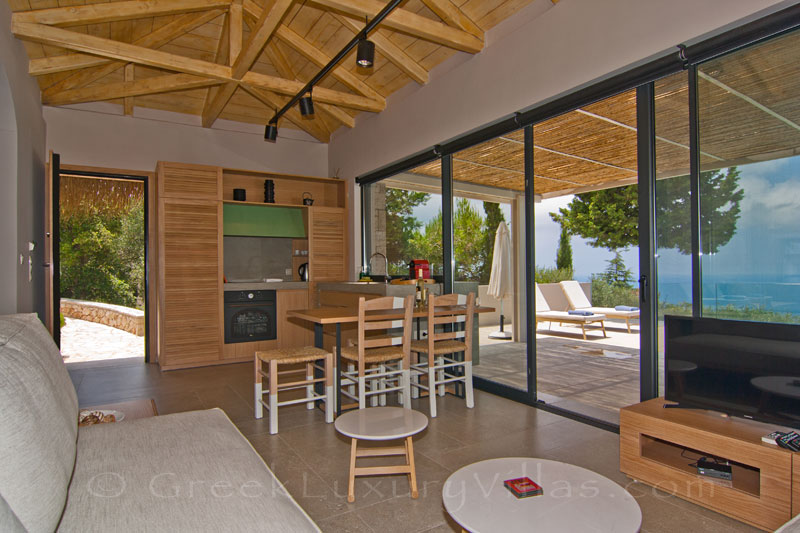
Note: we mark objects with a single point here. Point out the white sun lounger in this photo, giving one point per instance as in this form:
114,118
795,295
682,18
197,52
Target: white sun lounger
544,314
577,300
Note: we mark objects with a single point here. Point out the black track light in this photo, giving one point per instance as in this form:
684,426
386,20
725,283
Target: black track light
365,57
307,106
271,133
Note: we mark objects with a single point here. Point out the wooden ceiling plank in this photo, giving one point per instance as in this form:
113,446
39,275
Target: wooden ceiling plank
283,67
390,51
113,11
158,38
321,59
268,21
321,94
448,12
127,104
311,127
217,97
156,58
408,22
110,91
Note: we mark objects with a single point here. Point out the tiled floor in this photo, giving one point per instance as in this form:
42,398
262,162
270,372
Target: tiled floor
311,458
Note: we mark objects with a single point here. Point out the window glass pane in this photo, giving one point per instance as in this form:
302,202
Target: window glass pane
673,216
750,182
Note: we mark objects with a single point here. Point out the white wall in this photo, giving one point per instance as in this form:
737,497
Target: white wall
557,49
22,140
104,139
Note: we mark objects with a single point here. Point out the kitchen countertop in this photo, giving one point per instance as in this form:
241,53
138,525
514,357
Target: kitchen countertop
375,287
260,286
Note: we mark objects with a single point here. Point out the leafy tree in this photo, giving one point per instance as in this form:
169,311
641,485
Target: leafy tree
609,217
494,216
401,225
552,275
427,243
616,273
564,253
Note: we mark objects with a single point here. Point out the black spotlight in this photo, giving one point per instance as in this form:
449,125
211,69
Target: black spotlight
307,106
365,56
271,133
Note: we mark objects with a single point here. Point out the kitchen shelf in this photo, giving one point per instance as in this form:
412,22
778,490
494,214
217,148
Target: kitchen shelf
266,204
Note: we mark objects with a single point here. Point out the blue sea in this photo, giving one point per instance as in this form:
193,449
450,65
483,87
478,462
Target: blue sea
755,293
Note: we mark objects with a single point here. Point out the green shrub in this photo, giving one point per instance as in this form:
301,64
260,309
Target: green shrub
552,275
61,320
605,294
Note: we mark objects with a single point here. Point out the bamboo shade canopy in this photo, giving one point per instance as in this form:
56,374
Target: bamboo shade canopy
241,60
749,112
81,195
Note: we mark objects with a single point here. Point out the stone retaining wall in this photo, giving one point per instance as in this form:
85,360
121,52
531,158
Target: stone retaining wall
116,316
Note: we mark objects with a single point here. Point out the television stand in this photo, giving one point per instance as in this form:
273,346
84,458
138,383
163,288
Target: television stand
658,446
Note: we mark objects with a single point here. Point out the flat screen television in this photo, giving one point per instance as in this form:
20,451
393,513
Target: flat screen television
746,369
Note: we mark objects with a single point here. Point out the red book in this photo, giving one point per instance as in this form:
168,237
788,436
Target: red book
523,487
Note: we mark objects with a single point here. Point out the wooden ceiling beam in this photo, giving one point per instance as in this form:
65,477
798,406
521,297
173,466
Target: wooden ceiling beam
156,58
451,14
105,66
407,22
271,100
268,21
127,104
125,89
283,67
160,37
227,50
320,58
112,11
390,51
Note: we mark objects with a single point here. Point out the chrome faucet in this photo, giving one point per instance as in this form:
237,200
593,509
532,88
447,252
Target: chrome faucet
386,261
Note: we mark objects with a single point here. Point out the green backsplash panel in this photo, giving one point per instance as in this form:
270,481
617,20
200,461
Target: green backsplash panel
263,221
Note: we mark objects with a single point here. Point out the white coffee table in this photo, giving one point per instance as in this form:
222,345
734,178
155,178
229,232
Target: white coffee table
574,498
379,424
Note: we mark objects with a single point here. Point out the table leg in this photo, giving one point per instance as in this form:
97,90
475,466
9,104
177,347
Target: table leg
351,479
338,369
412,475
319,388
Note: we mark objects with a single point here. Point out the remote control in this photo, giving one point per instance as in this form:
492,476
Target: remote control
790,441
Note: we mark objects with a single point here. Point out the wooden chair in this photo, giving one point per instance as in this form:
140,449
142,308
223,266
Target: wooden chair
445,337
310,357
381,356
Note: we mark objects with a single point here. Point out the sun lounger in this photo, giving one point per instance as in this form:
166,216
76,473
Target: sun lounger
577,300
544,314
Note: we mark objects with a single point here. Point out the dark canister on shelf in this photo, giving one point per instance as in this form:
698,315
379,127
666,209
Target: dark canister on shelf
269,192
240,195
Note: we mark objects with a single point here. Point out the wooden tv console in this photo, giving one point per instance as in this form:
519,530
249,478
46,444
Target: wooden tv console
657,446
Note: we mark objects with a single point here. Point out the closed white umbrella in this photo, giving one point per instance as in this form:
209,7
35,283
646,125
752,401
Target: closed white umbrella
500,281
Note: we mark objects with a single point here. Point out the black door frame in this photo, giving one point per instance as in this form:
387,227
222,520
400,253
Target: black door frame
56,256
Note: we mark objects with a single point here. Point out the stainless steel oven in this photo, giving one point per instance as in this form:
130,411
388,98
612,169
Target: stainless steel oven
250,316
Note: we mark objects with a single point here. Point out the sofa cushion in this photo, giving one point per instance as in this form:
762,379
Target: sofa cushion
188,471
9,523
38,423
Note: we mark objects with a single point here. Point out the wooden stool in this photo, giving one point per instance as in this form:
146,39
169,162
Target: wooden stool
381,423
308,355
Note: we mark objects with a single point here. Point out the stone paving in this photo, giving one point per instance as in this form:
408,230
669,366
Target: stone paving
83,341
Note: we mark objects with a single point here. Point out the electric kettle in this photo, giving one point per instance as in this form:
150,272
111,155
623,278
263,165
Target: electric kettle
303,272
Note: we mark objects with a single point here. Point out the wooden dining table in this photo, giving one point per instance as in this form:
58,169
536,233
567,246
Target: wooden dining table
336,316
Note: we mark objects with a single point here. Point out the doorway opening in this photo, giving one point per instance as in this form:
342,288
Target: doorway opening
101,237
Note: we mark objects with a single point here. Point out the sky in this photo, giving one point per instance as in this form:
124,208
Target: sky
766,246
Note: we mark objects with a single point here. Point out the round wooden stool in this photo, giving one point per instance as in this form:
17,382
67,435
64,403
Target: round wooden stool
381,423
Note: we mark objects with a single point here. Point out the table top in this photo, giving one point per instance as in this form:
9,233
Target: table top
573,499
343,315
381,423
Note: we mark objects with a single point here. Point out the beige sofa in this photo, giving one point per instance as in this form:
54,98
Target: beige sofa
189,471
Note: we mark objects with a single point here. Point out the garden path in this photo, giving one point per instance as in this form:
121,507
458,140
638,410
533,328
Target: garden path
83,341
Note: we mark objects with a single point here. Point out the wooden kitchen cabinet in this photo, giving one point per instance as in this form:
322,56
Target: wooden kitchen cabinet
293,332
190,265
327,244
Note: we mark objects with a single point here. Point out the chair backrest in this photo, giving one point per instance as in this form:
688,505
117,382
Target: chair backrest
541,302
382,314
575,296
448,310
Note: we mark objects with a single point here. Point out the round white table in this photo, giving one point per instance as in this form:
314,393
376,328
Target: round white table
379,424
573,499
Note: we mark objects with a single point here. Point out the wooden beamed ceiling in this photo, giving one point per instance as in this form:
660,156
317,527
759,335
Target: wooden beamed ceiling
242,59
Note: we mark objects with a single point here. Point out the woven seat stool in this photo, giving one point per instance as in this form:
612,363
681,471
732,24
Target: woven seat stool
272,359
